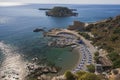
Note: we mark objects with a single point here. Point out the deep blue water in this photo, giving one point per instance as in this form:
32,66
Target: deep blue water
18,22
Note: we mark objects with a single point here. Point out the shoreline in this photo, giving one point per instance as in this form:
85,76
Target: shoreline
77,51
82,46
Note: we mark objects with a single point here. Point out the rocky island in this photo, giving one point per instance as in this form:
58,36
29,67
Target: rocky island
61,12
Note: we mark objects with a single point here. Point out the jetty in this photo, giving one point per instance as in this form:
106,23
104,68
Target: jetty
56,32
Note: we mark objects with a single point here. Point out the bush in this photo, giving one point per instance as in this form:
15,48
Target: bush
116,31
109,48
91,68
114,38
69,75
115,58
96,58
96,53
89,27
81,75
89,76
85,35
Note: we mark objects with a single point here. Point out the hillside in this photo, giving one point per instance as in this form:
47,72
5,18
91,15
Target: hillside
107,36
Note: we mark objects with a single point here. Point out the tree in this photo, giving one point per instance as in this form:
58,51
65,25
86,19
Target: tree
96,58
91,68
80,73
114,38
96,53
69,75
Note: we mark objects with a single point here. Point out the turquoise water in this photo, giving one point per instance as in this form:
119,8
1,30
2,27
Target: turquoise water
17,24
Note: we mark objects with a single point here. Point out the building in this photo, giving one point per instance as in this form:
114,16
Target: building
105,62
77,25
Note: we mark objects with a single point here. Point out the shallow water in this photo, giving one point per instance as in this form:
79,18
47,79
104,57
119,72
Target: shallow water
13,66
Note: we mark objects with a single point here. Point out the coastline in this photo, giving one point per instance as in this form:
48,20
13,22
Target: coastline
80,45
77,51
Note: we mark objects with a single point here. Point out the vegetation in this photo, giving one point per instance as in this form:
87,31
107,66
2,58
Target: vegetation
115,58
96,53
96,57
85,35
81,75
89,76
91,68
60,12
106,35
69,75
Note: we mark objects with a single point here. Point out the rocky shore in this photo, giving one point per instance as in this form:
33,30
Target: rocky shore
40,72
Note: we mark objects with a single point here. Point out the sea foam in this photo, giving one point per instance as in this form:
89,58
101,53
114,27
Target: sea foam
13,66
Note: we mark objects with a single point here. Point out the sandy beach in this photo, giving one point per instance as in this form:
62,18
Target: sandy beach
77,50
80,45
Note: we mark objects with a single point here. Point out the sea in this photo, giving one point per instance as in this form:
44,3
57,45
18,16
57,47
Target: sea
19,44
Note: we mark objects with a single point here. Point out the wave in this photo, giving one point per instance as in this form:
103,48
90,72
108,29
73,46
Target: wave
13,66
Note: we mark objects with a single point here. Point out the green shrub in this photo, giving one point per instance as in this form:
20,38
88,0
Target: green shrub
115,58
69,75
85,35
116,31
91,68
89,76
96,53
114,38
96,58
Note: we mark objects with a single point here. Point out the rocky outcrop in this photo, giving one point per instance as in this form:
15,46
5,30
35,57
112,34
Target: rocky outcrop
77,25
61,12
62,77
45,77
39,72
38,30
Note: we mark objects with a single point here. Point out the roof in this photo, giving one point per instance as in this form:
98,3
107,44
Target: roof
105,61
